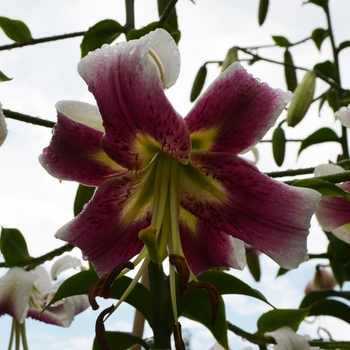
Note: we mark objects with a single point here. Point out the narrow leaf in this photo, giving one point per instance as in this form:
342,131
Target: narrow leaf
200,312
316,296
324,187
198,83
253,263
344,45
121,341
281,41
275,319
319,136
15,30
318,36
329,307
279,145
263,8
104,32
289,71
321,3
138,33
327,68
3,77
332,99
84,194
14,247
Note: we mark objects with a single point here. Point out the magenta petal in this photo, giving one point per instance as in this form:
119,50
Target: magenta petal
75,152
238,109
208,248
127,81
102,231
271,216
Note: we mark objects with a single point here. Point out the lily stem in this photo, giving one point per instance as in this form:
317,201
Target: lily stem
130,15
158,291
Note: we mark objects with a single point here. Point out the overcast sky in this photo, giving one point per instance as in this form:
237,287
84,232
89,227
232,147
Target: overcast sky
38,204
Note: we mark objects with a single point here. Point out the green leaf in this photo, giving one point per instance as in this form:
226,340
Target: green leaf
322,3
15,30
139,298
253,263
172,19
316,296
281,41
319,136
279,145
344,45
263,8
14,247
104,32
327,68
198,83
3,77
138,33
121,341
324,187
332,99
275,319
289,72
318,35
329,307
201,312
84,194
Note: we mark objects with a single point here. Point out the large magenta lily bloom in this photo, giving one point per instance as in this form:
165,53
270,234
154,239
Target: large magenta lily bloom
183,177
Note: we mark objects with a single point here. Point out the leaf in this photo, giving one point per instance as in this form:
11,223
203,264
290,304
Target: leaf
319,136
263,8
200,312
275,319
332,99
198,83
344,45
324,187
281,41
14,247
279,145
104,32
15,30
289,71
80,283
3,77
328,307
138,33
327,68
318,36
253,264
121,341
322,3
316,296
172,19
84,194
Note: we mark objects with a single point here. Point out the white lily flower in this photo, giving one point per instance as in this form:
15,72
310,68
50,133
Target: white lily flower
3,126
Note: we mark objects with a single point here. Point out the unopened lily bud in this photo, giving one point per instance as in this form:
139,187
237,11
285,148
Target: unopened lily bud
289,71
303,97
279,145
198,82
231,57
323,280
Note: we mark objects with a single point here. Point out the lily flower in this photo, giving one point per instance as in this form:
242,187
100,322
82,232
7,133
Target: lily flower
344,115
180,179
333,213
25,294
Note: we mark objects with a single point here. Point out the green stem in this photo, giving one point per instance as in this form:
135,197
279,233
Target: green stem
334,178
28,119
290,172
12,334
130,15
157,289
17,335
168,10
41,40
46,257
24,336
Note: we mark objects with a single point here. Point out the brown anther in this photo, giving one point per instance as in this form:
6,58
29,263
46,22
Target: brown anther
214,298
100,328
102,287
179,343
182,270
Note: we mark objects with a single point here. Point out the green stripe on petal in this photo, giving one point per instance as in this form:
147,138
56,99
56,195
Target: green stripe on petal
202,140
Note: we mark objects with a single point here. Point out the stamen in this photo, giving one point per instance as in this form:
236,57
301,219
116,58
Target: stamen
100,328
182,270
158,63
179,343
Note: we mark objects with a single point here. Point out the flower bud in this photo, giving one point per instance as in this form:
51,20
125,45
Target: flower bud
303,97
231,57
279,145
289,72
323,280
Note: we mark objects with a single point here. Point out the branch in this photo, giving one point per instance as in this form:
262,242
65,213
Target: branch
28,119
41,40
168,10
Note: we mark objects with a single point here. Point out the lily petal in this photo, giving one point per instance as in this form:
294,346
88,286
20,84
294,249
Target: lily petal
271,216
127,81
64,263
206,247
235,112
344,115
287,339
15,289
107,229
3,127
75,152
